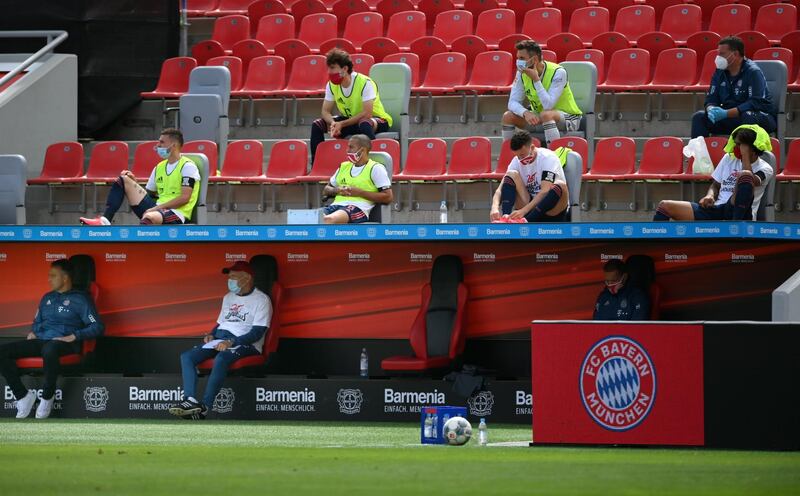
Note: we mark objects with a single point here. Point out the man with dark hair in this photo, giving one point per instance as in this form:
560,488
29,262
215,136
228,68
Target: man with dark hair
738,182
358,184
168,197
65,317
738,94
534,188
620,300
241,327
540,96
357,100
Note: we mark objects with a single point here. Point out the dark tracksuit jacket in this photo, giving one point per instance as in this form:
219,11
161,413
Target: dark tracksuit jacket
62,314
630,303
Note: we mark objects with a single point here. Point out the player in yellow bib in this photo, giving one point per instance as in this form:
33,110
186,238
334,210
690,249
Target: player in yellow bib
170,194
540,96
358,184
355,97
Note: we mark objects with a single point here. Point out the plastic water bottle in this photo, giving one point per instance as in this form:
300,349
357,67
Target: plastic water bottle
428,432
483,433
443,213
364,364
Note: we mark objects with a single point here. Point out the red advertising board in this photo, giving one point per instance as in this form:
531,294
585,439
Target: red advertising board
617,383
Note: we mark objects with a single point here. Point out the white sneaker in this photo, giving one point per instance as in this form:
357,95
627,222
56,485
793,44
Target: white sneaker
25,404
44,408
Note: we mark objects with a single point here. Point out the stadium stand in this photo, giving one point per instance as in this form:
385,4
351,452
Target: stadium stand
275,28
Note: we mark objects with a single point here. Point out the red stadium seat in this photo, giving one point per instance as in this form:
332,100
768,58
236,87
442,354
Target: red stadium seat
779,53
302,8
199,8
445,71
792,42
590,55
563,43
477,7
266,75
174,78
681,21
614,158
494,25
629,70
247,50
542,24
426,160
776,150
262,8
390,146
610,43
452,24
635,21
107,160
206,50
345,8
493,71
667,78
363,62
706,73
470,46
588,22
567,7
145,160
753,42
330,155
243,163
317,28
791,169
62,161
662,159
550,56
470,158
426,47
291,50
730,19
521,9
308,77
576,144
275,28
509,43
380,48
288,160
388,8
432,9
230,29
614,6
656,42
702,42
776,20
230,7
206,147
708,7
405,27
234,65
411,60
340,43
362,26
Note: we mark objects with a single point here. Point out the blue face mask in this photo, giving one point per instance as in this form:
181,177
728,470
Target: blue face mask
162,151
522,64
233,286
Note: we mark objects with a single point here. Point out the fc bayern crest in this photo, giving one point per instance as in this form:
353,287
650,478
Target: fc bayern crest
618,383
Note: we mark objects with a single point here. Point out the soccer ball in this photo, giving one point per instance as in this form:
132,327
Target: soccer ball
457,431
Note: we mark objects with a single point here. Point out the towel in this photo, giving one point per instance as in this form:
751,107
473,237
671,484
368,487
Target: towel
763,142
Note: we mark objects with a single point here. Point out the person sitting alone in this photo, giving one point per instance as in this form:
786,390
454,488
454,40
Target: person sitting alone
620,300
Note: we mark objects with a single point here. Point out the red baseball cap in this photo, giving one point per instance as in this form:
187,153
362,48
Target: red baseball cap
239,267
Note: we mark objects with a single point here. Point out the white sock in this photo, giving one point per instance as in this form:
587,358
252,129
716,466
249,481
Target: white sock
550,131
508,132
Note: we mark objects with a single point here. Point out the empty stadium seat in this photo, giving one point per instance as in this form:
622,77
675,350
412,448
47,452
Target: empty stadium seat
380,47
445,71
629,70
681,21
588,22
362,62
493,71
753,42
343,9
267,74
470,46
495,24
288,160
145,160
477,7
230,7
777,75
291,50
243,163
426,47
614,6
792,42
635,21
662,159
563,43
437,335
411,60
521,9
675,69
174,78
259,9
542,24
308,77
432,9
13,172
730,19
405,27
246,51
656,42
230,29
609,43
302,8
549,56
207,148
791,166
452,24
575,143
390,146
567,7
509,43
470,158
708,7
340,43
316,28
592,55
62,161
234,66
785,55
389,8
330,155
362,26
614,158
206,50
394,82
426,160
107,160
275,28
776,20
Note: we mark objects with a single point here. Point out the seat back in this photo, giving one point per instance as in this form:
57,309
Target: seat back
791,165
707,69
470,46
656,42
426,47
776,73
362,62
244,158
615,156
389,8
343,9
291,50
379,47
83,279
753,42
212,81
108,159
495,24
521,9
362,26
266,280
330,155
200,213
145,160
567,7
730,19
478,7
247,50
447,275
509,43
174,75
394,87
766,207
682,20
309,73
207,148
267,73
609,43
262,8
230,29
205,50
592,56
446,70
588,22
542,23
493,69
471,155
614,6
630,66
642,274
340,43
426,156
64,159
234,65
433,8
573,173
382,214
302,8
576,144
776,19
316,28
13,171
405,27
562,44
408,58
662,156
778,53
635,20
390,146
274,28
452,24
287,159
582,77
668,60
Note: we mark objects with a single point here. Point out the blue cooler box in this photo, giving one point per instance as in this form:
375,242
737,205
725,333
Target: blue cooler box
433,419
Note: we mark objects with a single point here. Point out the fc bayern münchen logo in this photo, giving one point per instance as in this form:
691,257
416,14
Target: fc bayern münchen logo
618,383
350,401
96,398
223,402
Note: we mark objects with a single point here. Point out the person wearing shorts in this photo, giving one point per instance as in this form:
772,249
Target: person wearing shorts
171,192
358,184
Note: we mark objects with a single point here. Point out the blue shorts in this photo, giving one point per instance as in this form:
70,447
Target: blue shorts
716,212
169,216
355,214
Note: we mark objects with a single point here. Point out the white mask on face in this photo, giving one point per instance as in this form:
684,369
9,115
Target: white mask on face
721,62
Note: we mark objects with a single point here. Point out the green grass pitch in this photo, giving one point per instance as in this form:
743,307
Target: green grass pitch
83,457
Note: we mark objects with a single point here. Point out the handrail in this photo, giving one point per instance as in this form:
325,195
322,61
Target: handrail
54,38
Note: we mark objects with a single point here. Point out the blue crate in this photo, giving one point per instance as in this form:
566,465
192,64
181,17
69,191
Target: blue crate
438,415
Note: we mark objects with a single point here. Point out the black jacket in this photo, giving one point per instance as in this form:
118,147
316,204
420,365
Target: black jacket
630,303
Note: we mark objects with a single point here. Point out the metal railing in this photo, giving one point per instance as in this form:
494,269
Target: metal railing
54,38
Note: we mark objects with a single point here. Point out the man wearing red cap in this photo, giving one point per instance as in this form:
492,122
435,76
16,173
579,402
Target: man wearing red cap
241,326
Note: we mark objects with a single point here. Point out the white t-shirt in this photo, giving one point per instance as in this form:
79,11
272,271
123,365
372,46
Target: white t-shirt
547,167
367,95
726,173
380,178
189,171
240,313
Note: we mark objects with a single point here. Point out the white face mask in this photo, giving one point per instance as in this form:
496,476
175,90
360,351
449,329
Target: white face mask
721,62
